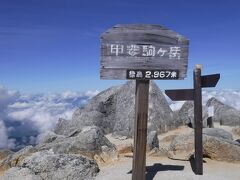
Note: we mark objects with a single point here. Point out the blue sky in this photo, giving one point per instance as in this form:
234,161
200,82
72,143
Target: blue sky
54,45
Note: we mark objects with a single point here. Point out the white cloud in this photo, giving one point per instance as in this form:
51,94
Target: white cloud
27,114
92,93
21,115
6,97
229,97
45,110
3,135
5,142
69,95
11,143
19,105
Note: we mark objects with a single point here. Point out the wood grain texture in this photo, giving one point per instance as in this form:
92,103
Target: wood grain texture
198,121
210,80
140,130
180,94
143,33
115,54
142,63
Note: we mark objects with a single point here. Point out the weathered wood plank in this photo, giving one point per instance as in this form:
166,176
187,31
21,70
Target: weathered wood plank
180,94
140,131
151,63
142,47
142,39
210,80
198,120
148,33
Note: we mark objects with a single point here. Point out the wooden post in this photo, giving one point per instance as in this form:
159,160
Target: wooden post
198,120
140,130
196,95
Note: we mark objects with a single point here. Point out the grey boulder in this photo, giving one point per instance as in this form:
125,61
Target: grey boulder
221,149
89,141
185,116
4,153
49,137
182,147
217,144
46,165
17,173
15,158
152,140
217,132
224,114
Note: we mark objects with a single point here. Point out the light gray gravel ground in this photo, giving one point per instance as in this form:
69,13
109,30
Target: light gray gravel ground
171,169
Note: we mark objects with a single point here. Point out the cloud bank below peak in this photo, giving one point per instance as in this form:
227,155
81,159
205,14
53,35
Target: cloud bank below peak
25,116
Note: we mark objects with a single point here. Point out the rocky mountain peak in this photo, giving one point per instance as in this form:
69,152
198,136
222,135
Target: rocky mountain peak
113,111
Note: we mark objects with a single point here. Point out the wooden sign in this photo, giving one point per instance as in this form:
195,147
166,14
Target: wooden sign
180,94
195,94
149,51
210,80
188,94
142,53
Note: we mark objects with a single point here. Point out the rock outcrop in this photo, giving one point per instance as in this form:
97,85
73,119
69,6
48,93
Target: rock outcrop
113,112
182,147
224,114
17,173
217,144
152,140
219,133
89,141
4,153
13,160
236,131
65,151
46,165
221,149
185,116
